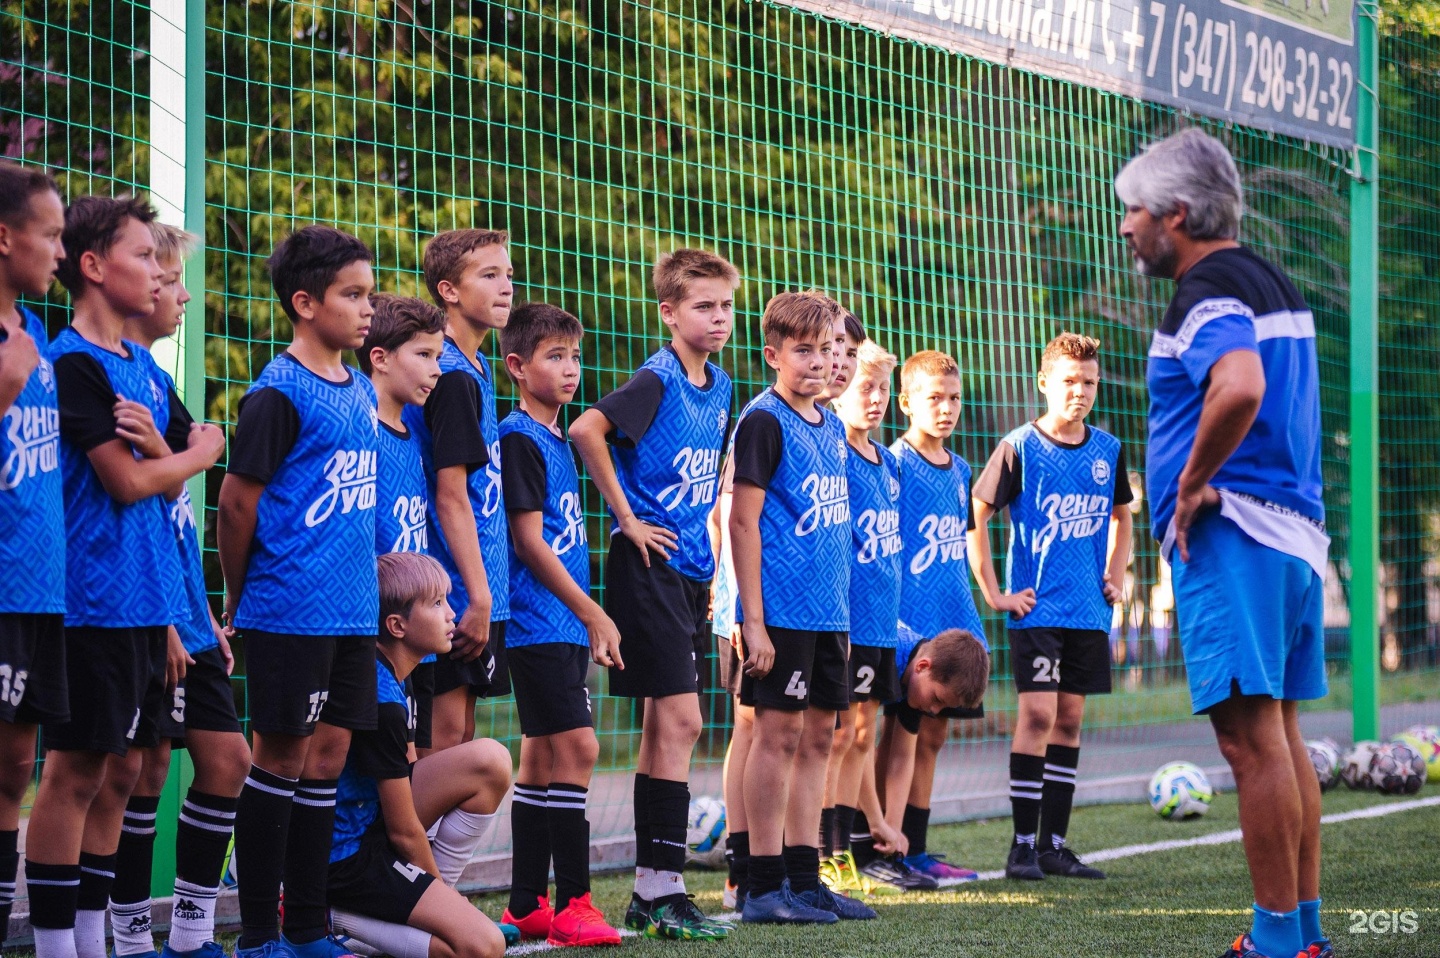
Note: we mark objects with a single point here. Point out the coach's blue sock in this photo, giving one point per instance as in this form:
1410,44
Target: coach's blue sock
1276,934
1310,922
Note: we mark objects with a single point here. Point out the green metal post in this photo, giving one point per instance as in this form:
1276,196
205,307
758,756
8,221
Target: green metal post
1364,383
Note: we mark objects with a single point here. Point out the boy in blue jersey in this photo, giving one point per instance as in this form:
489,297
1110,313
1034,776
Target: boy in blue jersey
32,516
790,539
1063,482
123,579
939,678
935,587
468,273
391,886
667,426
297,545
198,715
556,630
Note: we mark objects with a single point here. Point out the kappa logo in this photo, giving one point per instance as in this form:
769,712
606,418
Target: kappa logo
944,542
182,512
829,503
698,470
1100,471
880,531
409,512
351,477
491,499
1070,516
188,910
33,435
574,532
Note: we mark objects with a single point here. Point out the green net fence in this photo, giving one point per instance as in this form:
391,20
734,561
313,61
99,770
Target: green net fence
950,202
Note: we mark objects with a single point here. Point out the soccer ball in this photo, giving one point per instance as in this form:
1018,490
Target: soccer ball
1326,760
1355,766
705,833
1424,739
1180,790
1397,769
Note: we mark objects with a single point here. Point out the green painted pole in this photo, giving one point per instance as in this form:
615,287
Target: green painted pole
1364,384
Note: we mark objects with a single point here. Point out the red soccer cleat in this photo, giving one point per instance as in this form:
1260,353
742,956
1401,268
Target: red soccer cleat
581,924
535,925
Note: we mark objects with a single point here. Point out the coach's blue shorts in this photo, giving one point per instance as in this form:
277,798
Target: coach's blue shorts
1250,616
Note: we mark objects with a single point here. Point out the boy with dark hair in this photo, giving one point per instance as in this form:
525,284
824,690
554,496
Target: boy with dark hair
297,545
200,715
469,275
667,426
123,586
383,867
554,624
32,512
791,518
1062,482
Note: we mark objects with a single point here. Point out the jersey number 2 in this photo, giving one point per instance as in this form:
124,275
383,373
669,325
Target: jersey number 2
865,677
1046,670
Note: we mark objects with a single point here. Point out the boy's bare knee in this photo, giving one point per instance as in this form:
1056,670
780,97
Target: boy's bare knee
485,942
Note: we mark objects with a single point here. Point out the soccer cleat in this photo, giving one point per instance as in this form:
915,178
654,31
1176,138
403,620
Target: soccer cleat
783,907
271,949
730,897
1320,949
1062,861
327,947
840,874
939,869
893,875
841,906
210,949
677,918
637,916
1245,948
510,932
580,924
1023,863
535,925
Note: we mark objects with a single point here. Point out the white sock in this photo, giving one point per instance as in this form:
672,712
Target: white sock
90,933
398,941
192,916
130,924
55,943
456,839
666,884
642,880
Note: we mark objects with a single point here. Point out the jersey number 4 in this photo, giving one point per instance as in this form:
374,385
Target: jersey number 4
797,688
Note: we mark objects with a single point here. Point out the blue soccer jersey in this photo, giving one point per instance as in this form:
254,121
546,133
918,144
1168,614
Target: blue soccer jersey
907,643
540,476
935,590
312,563
375,755
1271,486
878,547
805,522
122,569
401,494
487,496
667,452
32,503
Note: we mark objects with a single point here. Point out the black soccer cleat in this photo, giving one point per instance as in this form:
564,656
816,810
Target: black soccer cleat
1023,863
637,916
1062,861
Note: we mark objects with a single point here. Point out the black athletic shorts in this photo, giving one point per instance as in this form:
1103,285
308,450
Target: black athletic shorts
664,623
118,679
203,702
487,677
1037,656
873,674
375,883
32,668
550,691
732,666
422,687
295,681
811,670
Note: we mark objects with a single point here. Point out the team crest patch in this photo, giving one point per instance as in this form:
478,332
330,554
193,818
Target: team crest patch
47,374
1100,470
721,420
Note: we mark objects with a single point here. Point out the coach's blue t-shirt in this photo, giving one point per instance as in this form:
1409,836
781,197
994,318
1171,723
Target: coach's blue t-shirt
668,437
375,755
312,443
540,476
1271,485
878,548
805,547
401,494
122,567
935,590
32,504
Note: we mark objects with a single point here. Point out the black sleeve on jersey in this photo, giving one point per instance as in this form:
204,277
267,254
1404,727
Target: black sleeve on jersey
969,511
759,444
999,483
177,434
632,407
381,753
452,411
522,473
1124,495
87,401
266,431
908,717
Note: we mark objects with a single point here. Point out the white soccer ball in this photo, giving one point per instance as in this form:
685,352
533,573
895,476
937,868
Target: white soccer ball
1355,766
1326,760
705,832
1180,790
1397,769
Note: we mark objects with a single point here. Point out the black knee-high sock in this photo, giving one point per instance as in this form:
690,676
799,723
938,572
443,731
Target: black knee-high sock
862,843
737,856
644,841
570,841
1058,796
53,890
530,848
844,824
802,867
307,859
134,864
827,831
262,827
916,825
9,869
1026,775
203,832
669,811
97,877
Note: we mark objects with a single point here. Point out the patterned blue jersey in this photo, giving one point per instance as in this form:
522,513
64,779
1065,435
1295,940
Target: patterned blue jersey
312,564
122,569
487,497
536,615
805,547
1060,526
32,503
907,643
671,474
934,515
377,754
402,498
878,550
